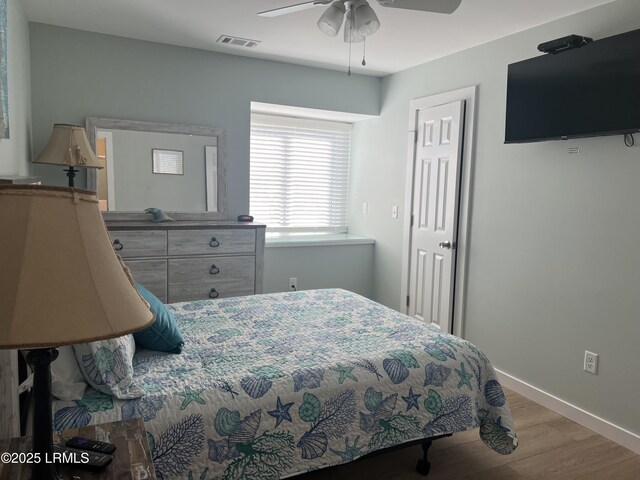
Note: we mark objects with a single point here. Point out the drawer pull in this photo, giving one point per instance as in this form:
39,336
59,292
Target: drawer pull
214,270
117,246
214,243
214,293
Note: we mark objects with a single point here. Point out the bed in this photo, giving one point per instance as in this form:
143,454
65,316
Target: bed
272,386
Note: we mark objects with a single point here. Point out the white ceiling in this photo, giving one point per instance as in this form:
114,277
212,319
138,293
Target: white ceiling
405,38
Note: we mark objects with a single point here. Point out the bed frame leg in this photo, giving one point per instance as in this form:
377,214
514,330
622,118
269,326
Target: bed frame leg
424,466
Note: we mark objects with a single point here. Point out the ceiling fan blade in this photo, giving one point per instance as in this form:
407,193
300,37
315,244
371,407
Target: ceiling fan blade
276,12
436,6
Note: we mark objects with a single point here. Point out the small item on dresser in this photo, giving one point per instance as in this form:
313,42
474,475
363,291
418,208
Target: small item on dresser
82,443
92,461
158,215
245,218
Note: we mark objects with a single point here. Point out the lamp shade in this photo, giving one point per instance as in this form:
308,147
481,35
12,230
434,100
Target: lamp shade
331,20
366,20
60,280
69,145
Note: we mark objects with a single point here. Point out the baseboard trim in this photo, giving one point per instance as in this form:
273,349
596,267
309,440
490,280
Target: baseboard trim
607,429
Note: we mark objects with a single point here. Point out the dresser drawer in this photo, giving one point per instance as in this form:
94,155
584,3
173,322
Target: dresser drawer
210,277
130,243
152,274
214,241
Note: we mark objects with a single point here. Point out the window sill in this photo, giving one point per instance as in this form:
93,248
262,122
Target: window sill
320,240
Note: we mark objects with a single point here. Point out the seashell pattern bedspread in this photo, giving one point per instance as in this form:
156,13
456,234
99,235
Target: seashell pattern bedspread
270,386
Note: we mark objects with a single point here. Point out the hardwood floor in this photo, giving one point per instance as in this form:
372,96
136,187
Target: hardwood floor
551,447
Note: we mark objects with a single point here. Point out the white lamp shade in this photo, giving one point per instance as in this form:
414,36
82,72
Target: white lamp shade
68,145
367,22
331,20
351,34
61,283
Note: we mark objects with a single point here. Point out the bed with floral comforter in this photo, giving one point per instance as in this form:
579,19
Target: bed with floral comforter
270,386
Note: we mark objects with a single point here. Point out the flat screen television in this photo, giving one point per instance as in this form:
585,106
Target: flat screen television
588,91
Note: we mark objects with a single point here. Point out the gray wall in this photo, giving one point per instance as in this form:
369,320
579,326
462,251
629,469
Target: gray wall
77,74
345,266
15,151
553,264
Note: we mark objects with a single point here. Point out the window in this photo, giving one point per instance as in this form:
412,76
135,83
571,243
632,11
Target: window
168,162
299,173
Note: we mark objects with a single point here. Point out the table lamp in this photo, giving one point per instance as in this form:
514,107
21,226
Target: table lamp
69,145
60,284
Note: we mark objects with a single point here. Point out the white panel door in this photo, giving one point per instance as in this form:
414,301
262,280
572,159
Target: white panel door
437,160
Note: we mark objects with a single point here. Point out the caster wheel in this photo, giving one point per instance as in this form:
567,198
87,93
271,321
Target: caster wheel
423,467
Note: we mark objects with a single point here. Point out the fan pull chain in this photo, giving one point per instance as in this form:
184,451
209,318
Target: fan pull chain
364,52
350,42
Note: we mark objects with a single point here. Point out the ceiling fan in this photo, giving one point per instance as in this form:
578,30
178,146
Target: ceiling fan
361,19
436,6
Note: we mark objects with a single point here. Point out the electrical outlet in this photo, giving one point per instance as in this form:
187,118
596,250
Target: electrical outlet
365,208
293,284
394,211
590,362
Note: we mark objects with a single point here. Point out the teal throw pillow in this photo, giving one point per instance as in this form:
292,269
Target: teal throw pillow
163,335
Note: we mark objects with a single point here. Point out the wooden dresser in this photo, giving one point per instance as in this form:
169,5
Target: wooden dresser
192,260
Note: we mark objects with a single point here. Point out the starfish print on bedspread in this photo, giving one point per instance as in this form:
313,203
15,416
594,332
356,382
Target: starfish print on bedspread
412,400
345,372
190,395
281,412
464,377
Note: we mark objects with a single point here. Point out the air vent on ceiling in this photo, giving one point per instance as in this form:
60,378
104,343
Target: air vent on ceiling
237,42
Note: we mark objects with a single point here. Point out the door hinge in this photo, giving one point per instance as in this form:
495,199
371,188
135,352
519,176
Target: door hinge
415,136
407,300
411,224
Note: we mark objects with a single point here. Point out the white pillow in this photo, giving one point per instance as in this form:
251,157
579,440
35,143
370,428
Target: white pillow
108,366
67,381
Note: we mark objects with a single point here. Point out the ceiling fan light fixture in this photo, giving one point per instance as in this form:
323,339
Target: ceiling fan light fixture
351,34
331,20
366,20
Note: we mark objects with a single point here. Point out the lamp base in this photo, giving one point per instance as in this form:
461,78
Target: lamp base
71,173
40,360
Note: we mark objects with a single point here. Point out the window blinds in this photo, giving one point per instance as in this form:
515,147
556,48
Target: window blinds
299,173
168,161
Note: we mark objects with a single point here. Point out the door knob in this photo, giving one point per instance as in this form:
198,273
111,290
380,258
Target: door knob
446,244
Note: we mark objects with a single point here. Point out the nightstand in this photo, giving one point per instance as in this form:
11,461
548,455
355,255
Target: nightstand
131,460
